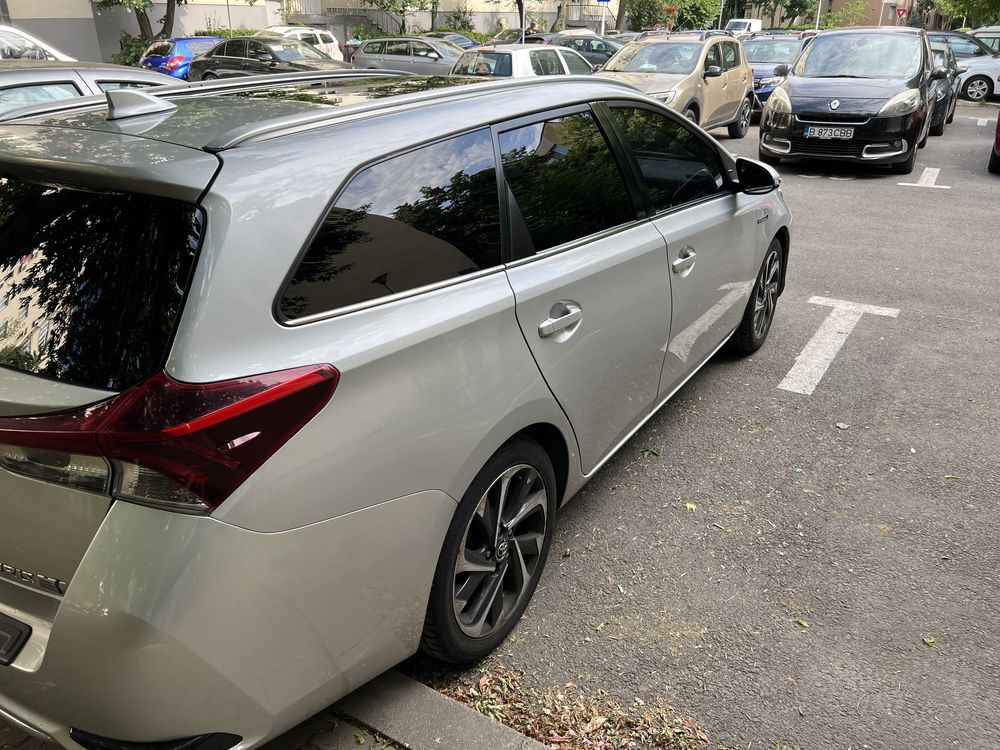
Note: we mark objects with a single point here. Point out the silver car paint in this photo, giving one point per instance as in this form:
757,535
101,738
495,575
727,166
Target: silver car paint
314,576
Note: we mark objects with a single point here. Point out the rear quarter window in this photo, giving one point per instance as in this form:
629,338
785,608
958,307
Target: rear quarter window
91,283
419,218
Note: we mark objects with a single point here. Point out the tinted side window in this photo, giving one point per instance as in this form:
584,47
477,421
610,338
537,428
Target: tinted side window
310,39
373,48
115,85
676,165
399,47
415,219
564,179
22,96
545,62
236,48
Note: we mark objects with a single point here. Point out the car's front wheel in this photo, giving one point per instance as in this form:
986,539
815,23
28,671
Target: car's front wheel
739,128
905,166
493,554
759,313
994,165
767,158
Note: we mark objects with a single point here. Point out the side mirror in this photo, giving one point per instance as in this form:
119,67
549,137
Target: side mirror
713,71
781,71
939,74
960,71
756,178
265,57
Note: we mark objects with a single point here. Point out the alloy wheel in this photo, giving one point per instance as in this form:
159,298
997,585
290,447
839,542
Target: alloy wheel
766,295
744,118
977,90
501,552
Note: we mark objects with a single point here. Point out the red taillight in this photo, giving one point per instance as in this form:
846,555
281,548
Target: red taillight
173,62
352,59
178,445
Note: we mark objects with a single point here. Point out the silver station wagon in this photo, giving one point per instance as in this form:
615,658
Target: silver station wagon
295,379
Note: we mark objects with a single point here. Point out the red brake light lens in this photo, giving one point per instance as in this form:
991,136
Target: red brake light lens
173,62
183,446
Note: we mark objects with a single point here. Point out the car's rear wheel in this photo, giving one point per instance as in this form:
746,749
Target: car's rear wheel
759,313
994,165
493,554
739,128
951,113
937,128
691,114
977,88
210,77
905,166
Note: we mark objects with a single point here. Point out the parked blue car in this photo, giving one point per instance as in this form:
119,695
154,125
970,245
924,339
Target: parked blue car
172,56
764,53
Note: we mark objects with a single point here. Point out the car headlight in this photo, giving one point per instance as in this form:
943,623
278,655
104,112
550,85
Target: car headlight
901,104
765,82
778,102
665,96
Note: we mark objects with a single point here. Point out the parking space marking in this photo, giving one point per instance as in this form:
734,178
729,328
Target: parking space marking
819,353
927,179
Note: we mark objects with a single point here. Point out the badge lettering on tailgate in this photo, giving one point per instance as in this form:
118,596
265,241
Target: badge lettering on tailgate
34,580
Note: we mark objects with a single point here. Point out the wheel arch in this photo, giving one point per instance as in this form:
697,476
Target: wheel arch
784,237
554,444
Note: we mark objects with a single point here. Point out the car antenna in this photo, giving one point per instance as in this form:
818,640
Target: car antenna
124,103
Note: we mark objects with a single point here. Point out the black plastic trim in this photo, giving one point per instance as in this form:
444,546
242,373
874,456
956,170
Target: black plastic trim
217,741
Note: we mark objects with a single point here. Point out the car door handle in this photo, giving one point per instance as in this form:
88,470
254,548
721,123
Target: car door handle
562,316
684,261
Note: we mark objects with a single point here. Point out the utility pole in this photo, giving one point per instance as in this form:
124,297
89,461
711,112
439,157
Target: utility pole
722,7
819,11
4,12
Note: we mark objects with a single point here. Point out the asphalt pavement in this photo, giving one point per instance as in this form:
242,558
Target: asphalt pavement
815,570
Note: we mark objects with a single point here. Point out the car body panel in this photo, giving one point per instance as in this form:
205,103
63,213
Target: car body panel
173,56
523,59
231,59
17,77
30,47
417,57
987,68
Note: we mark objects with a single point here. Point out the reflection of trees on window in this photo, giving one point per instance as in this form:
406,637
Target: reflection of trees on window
564,179
677,166
106,271
416,219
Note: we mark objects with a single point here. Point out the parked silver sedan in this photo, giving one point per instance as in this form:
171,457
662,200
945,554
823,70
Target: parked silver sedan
521,61
423,56
295,380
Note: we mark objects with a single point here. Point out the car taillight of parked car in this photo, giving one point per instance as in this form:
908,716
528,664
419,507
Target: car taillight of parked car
178,446
173,62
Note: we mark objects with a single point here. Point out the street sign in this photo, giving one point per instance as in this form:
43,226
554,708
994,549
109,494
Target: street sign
901,12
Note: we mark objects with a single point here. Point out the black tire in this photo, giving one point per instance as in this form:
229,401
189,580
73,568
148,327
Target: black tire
740,128
767,158
691,114
938,128
994,165
923,141
749,335
210,77
951,114
905,166
443,637
977,88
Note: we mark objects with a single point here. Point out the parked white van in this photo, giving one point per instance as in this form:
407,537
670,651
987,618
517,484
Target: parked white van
744,27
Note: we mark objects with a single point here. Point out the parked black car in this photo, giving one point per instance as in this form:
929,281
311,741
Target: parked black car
597,50
863,95
251,56
946,90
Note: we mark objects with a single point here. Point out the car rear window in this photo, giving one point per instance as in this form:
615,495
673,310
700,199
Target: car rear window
199,48
91,283
483,64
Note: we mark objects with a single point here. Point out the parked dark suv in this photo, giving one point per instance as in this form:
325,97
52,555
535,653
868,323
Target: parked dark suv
862,95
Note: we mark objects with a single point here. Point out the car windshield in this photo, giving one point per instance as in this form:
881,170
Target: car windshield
292,50
508,36
200,48
737,25
447,48
483,64
16,47
863,55
662,57
771,50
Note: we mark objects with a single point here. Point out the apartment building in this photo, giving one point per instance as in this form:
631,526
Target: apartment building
78,29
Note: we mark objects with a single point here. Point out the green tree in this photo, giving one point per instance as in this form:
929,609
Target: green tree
695,14
792,9
975,12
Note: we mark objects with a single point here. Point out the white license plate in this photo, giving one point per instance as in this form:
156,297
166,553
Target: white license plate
839,133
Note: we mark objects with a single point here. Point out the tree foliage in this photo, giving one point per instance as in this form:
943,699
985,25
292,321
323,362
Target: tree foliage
975,12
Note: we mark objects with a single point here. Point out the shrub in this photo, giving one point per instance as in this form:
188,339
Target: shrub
131,49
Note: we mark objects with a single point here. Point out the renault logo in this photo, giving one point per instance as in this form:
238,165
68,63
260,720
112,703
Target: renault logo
835,104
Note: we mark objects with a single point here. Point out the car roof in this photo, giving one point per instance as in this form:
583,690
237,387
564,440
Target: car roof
31,65
223,115
874,30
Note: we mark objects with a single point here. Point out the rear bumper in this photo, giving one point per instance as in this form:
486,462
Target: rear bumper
878,140
178,626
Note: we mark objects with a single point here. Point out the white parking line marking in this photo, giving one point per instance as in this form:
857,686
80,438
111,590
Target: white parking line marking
980,121
819,353
927,179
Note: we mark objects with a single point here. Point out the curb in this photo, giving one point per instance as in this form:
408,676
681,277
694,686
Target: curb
421,718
